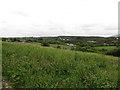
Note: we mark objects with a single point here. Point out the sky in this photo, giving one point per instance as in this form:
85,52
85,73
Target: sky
20,18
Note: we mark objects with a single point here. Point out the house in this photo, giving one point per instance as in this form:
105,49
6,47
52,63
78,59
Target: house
91,41
70,44
8,40
23,41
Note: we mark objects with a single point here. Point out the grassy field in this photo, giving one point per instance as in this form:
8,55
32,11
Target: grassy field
32,66
55,45
106,47
69,47
51,45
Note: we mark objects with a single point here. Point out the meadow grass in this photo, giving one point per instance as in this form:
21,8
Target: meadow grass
62,46
52,45
32,66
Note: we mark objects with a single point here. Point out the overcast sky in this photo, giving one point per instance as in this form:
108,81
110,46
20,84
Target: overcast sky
58,17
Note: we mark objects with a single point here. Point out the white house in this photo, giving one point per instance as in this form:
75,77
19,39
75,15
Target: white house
70,44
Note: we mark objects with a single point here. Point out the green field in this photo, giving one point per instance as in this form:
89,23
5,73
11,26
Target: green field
33,66
106,47
51,45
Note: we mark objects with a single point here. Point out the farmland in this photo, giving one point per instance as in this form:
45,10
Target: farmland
33,66
106,47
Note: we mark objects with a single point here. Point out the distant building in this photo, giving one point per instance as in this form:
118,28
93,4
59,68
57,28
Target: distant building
8,41
23,41
70,44
63,38
91,41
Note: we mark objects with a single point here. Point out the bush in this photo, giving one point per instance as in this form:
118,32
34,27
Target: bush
45,43
85,49
58,47
72,48
114,52
54,42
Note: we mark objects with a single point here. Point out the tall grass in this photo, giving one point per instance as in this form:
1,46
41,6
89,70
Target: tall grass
29,66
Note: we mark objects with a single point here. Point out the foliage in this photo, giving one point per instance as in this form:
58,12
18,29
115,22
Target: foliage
55,42
105,47
45,43
58,47
114,52
84,48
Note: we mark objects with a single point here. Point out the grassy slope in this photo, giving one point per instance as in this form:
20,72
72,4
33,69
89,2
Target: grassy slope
53,45
26,65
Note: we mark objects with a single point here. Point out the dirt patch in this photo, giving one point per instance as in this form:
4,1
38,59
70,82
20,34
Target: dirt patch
5,84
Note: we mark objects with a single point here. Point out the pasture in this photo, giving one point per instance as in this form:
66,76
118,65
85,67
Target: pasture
106,47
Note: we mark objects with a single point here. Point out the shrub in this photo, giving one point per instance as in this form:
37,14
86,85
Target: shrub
72,48
45,43
114,52
85,49
58,47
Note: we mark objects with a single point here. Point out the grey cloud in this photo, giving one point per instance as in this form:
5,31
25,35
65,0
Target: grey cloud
4,28
36,25
86,27
111,28
89,25
104,27
20,13
53,29
3,22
